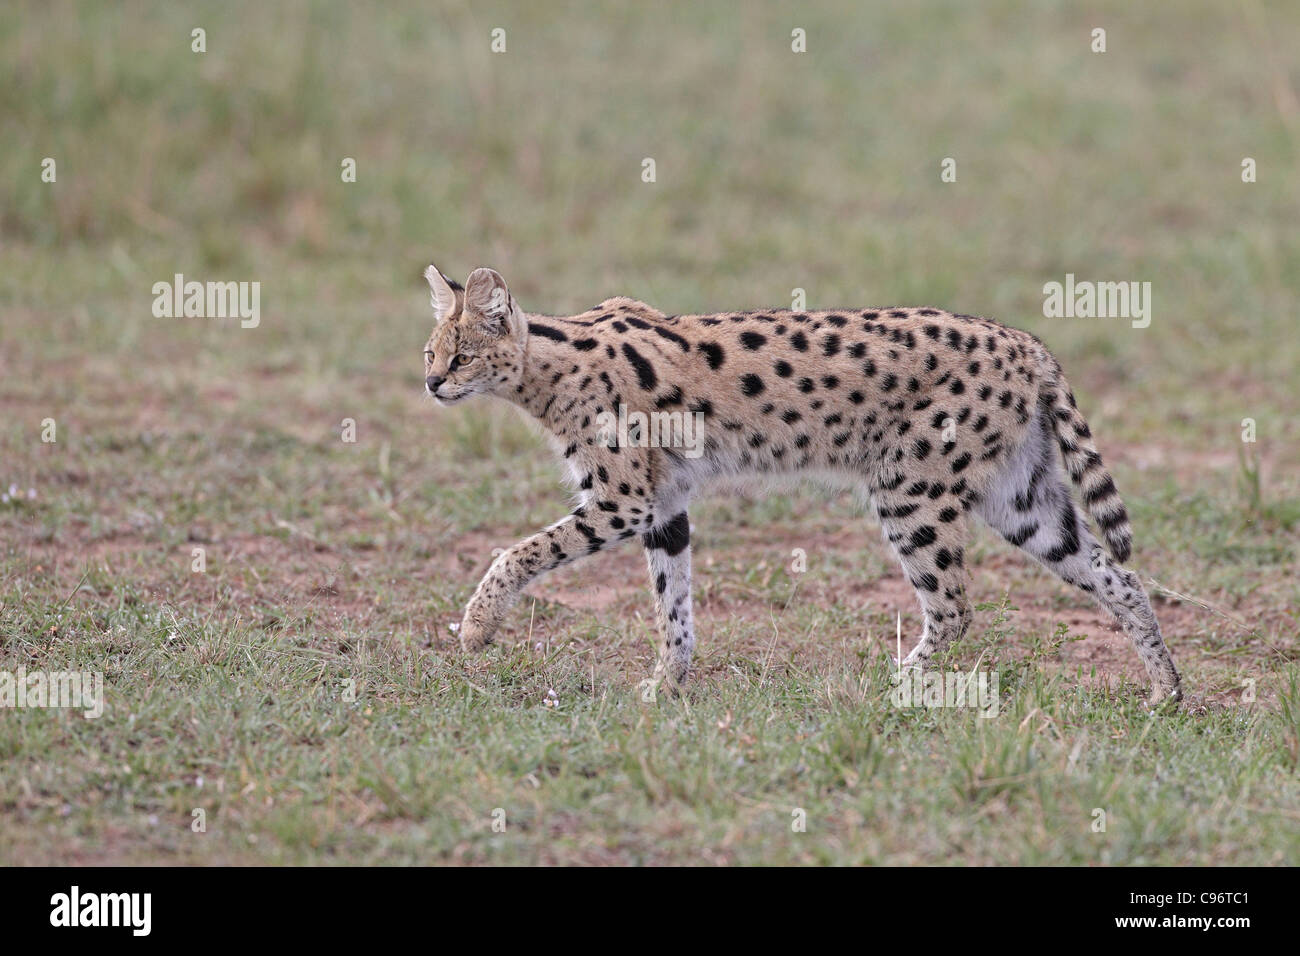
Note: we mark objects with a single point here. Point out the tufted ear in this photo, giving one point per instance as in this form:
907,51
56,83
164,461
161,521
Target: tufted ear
487,297
442,292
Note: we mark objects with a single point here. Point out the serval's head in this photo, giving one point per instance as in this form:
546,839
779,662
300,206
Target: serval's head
478,338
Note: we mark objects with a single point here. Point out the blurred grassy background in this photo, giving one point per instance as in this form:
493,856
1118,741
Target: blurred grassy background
775,170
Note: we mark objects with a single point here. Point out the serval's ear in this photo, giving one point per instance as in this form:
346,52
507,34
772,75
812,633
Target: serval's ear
488,298
442,293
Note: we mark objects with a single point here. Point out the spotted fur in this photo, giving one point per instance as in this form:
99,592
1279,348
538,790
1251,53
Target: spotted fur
934,415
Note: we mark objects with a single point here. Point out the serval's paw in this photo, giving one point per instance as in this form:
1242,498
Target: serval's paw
475,634
1165,696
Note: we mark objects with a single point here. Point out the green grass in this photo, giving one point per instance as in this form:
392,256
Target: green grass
285,769
329,562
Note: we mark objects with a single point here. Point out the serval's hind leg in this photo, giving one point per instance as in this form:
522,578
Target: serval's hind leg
927,527
1030,505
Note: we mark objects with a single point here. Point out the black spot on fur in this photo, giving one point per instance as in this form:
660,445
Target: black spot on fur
1069,536
594,540
672,537
546,332
645,373
672,336
1021,535
1099,492
713,354
924,536
671,398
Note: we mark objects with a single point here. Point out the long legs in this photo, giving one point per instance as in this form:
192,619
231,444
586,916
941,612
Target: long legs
926,524
1030,505
668,556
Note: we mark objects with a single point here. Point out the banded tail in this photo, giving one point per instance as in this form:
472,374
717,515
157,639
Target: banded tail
1082,461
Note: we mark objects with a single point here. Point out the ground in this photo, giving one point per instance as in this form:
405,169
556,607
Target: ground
303,698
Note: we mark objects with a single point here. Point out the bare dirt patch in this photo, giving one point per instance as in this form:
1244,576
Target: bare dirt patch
852,582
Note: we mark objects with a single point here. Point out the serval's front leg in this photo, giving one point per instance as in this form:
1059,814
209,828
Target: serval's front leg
668,554
586,531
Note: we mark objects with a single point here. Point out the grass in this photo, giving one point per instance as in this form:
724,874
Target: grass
286,770
328,562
